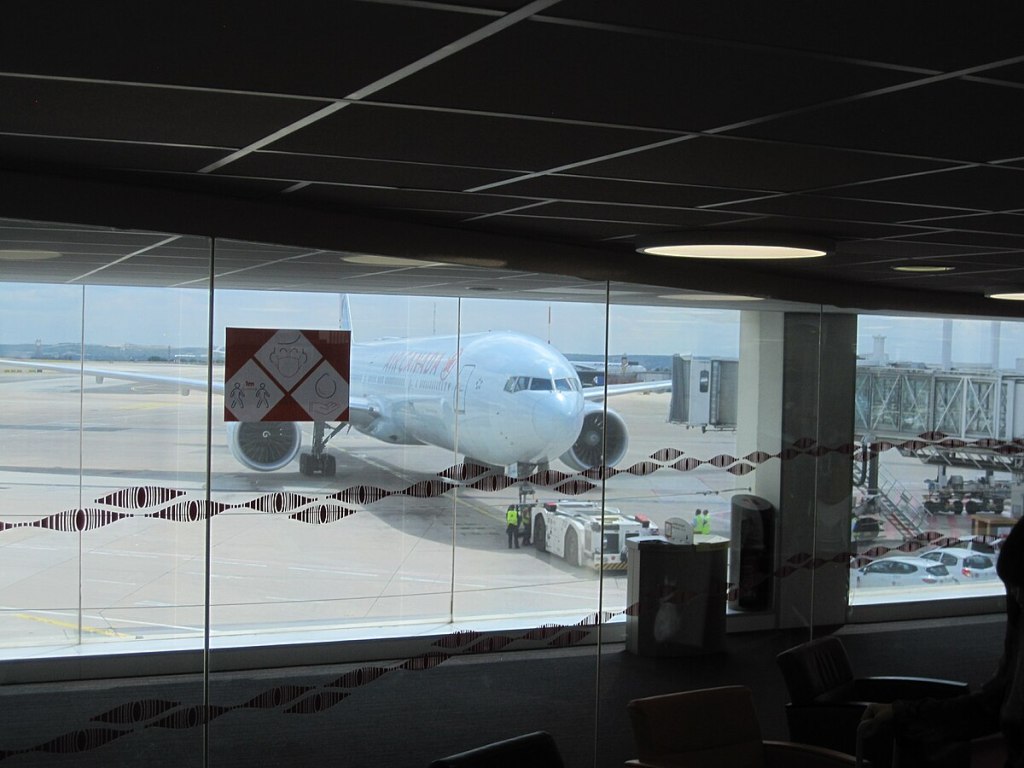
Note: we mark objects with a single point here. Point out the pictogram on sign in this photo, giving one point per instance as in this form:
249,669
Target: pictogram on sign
286,375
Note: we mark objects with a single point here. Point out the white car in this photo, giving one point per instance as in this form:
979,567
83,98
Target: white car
900,572
964,564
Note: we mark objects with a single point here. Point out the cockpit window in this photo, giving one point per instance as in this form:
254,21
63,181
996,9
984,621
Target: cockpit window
517,383
536,384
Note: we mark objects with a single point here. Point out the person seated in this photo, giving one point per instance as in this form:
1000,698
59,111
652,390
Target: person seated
932,732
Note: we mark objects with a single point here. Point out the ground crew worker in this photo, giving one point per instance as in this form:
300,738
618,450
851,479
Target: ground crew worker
512,525
702,521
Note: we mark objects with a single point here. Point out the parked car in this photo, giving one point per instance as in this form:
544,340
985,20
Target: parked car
900,572
964,564
865,529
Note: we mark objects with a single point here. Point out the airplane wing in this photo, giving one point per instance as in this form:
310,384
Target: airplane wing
361,412
596,394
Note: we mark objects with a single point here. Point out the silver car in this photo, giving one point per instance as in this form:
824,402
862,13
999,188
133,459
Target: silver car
900,572
964,564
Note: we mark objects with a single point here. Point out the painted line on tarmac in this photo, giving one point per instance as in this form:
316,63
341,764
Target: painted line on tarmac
69,625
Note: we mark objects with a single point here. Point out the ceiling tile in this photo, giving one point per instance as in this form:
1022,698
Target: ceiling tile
952,120
755,165
696,86
446,138
341,170
156,115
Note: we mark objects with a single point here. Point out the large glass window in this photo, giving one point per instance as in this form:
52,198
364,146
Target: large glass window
937,473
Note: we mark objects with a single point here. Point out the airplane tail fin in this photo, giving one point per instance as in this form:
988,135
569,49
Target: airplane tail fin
344,317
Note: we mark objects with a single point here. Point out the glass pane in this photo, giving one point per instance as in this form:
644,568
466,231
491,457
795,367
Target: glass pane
937,425
144,468
40,456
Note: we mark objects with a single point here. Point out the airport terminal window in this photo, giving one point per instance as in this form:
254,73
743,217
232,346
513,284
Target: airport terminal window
936,476
117,463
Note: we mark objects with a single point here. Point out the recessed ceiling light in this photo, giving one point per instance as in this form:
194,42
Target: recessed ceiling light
923,268
373,260
27,255
734,245
1007,296
709,297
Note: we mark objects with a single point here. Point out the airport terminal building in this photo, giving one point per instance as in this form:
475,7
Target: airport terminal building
352,412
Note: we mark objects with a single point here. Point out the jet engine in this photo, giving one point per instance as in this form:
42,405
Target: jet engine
586,451
264,445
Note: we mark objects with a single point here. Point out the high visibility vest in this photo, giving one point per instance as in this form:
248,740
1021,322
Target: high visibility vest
512,517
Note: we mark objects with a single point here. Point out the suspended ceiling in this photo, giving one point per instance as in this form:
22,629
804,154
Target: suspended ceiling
545,137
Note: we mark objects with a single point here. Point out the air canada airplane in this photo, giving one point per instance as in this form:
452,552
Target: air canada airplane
501,399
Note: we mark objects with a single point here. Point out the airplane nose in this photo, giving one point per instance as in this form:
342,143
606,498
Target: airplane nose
557,418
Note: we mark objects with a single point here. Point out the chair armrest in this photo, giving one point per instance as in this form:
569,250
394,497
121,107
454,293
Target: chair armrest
786,754
890,688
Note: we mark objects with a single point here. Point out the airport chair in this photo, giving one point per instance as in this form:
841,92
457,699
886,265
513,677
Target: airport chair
530,750
712,728
827,699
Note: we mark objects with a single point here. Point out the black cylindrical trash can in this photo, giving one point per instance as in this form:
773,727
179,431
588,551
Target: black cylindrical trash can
751,553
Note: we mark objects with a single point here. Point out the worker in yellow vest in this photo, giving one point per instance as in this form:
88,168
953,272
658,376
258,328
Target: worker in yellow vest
512,525
702,521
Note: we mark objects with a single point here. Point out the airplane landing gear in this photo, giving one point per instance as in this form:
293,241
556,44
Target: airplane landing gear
319,462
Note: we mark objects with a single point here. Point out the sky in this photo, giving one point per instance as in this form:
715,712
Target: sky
178,318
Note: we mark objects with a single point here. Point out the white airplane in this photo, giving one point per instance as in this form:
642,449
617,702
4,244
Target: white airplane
501,399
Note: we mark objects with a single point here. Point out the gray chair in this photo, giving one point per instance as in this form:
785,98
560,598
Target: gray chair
713,728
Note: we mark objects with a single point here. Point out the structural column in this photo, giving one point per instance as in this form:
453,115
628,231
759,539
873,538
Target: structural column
796,394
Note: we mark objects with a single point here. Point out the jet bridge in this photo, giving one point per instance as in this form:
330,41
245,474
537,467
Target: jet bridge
704,392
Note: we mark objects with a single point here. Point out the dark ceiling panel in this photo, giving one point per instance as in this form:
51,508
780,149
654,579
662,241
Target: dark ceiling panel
755,165
954,120
156,115
998,222
29,152
587,188
958,35
696,86
377,173
391,200
312,49
979,188
445,138
571,230
677,218
830,208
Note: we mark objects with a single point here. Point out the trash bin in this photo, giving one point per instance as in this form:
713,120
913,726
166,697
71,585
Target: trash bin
751,553
676,596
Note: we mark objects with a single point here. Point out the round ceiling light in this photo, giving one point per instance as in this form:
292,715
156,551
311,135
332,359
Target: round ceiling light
27,255
734,246
373,260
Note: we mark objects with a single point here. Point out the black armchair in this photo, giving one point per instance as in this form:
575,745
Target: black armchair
536,750
827,700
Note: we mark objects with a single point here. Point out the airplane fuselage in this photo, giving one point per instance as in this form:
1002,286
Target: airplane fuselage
498,398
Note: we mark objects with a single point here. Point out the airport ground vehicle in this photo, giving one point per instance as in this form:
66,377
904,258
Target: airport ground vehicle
964,564
573,530
900,572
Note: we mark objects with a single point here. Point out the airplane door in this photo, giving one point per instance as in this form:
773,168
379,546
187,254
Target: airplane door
465,374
